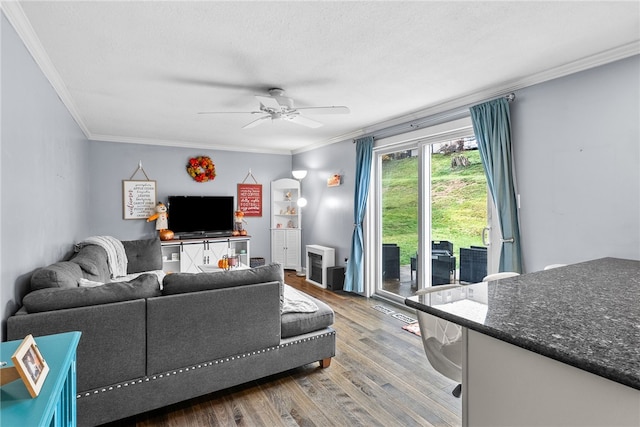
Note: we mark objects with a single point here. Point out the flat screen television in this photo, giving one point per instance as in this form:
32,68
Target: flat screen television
200,216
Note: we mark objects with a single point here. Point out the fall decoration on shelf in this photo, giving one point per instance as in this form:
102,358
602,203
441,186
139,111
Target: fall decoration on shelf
238,227
201,169
223,262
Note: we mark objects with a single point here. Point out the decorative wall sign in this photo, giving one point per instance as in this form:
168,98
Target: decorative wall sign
28,365
139,199
250,197
334,180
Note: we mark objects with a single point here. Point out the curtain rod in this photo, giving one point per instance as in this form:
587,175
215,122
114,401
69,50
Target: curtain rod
395,130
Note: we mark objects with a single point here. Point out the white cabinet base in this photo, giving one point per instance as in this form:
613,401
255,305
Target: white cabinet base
186,256
285,248
505,385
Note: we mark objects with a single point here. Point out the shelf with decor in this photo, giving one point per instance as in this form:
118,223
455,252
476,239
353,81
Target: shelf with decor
286,223
186,256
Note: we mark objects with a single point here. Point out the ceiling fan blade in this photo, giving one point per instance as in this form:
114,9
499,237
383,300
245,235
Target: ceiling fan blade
269,102
325,110
231,112
304,121
256,122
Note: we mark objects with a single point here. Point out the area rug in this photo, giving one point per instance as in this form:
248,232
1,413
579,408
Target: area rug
414,328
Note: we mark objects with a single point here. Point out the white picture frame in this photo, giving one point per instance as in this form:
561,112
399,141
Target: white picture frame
139,199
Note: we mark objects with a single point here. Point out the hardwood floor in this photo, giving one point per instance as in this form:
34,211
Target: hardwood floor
379,377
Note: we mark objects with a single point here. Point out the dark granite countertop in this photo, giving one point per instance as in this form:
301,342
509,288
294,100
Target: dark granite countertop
586,315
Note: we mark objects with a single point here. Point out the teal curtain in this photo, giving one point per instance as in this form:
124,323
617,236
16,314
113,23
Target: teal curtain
354,277
492,127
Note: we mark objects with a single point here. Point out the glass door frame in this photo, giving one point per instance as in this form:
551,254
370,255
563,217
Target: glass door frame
421,140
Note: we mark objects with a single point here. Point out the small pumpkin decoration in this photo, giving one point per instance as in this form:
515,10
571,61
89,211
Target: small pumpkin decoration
166,235
223,263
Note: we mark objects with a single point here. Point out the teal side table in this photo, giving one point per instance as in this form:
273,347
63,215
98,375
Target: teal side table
56,403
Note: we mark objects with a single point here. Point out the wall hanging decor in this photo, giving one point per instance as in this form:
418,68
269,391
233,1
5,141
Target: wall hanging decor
138,196
250,197
201,169
334,180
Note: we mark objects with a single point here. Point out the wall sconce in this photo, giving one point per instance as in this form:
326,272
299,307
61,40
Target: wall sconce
299,175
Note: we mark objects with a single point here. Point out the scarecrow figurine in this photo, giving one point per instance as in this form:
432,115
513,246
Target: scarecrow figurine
162,223
160,217
238,227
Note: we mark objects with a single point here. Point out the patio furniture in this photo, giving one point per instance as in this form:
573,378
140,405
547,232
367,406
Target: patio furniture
473,264
439,250
390,261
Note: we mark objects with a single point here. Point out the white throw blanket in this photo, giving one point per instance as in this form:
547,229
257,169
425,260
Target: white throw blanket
116,255
296,302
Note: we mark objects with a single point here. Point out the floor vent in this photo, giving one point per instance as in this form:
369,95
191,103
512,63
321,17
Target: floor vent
383,309
403,318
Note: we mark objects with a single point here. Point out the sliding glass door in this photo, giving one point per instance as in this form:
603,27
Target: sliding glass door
430,213
399,200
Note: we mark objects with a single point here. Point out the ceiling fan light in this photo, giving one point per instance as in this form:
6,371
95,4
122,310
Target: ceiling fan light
299,174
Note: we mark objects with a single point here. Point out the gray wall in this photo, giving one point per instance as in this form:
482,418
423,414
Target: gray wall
45,173
577,152
576,142
113,162
328,218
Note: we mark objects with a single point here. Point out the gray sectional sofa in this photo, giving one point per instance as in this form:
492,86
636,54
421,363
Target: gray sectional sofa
145,346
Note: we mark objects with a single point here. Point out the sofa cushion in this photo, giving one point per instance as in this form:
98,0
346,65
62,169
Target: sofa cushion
179,283
49,299
64,274
292,324
92,259
143,255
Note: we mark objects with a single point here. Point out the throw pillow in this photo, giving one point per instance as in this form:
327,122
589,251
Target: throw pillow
143,255
144,286
62,274
89,258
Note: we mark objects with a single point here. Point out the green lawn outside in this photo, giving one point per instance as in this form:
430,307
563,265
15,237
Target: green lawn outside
459,198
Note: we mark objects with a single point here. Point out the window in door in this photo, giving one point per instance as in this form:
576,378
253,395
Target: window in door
431,210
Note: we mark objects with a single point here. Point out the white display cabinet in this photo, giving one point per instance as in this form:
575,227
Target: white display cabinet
285,248
286,223
185,256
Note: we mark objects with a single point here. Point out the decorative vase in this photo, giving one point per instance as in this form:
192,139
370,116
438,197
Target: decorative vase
166,234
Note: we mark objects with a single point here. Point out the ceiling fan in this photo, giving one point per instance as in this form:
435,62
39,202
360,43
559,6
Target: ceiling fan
279,107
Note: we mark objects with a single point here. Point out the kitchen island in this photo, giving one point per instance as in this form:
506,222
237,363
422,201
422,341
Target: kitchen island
551,348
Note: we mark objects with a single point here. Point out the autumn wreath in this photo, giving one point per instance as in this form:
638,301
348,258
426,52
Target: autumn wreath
201,169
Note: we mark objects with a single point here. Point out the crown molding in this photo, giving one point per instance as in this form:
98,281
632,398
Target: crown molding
14,13
452,108
184,144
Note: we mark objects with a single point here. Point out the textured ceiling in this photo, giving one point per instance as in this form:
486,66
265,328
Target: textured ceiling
141,71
